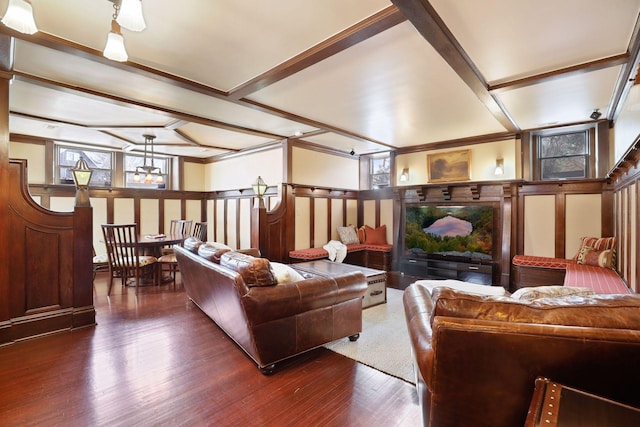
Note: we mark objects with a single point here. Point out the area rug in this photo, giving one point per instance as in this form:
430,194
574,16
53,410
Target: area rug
384,342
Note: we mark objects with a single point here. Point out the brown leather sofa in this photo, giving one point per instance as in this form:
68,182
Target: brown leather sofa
477,357
270,321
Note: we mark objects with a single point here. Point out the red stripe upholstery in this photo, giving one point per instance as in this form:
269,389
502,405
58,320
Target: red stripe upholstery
540,261
601,280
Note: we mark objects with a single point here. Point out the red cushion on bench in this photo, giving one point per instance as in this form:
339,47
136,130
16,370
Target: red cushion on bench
311,253
601,280
541,261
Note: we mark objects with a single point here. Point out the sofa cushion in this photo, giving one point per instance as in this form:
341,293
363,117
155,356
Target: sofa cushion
284,273
591,256
212,252
598,311
192,244
254,271
375,236
549,291
348,235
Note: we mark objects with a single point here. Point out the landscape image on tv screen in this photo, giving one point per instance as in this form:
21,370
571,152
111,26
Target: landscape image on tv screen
465,231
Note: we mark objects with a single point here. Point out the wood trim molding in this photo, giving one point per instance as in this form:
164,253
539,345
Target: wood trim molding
375,24
426,20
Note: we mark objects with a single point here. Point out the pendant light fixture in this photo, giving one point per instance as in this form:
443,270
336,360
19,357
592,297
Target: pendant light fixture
148,170
114,49
130,15
19,16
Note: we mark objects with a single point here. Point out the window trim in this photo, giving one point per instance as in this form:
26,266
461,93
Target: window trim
167,175
590,157
58,146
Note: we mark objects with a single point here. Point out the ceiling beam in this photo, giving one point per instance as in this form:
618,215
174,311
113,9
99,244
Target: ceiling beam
429,24
369,27
587,67
132,103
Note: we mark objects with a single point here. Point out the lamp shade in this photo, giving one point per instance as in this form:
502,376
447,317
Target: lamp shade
114,49
259,187
499,167
130,15
81,173
19,16
404,176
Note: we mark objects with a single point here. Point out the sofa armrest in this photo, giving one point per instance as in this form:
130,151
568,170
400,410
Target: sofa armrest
267,303
417,309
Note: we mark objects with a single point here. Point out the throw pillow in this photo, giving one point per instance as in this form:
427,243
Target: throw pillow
285,273
361,234
590,256
254,271
375,236
211,252
536,292
348,235
597,243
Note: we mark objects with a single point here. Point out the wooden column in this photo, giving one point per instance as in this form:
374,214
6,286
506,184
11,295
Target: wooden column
6,59
83,311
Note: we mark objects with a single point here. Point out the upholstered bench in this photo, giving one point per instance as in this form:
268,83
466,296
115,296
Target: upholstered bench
537,271
377,256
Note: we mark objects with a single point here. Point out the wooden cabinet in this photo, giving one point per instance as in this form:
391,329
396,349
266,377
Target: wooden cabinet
480,272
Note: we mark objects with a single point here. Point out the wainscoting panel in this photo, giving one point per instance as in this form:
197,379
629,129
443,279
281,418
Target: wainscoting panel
338,214
123,211
539,225
303,222
231,224
149,221
244,219
583,218
321,223
172,210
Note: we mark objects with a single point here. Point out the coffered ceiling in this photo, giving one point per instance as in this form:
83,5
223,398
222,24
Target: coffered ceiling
220,76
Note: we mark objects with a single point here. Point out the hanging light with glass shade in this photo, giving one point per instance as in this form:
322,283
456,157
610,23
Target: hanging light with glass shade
148,170
19,16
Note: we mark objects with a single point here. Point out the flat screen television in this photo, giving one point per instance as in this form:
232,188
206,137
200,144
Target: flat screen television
441,231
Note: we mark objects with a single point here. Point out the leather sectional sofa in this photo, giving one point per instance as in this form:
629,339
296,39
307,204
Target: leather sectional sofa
270,321
477,357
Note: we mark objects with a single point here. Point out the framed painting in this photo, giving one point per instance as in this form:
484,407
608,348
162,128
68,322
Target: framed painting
449,166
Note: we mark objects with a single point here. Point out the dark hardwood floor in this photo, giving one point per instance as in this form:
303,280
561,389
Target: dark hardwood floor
156,359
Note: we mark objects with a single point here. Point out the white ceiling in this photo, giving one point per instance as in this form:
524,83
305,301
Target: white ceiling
219,76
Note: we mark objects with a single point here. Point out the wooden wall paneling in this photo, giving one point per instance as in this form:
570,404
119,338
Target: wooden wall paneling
504,221
238,223
344,212
49,173
83,309
636,272
377,213
329,219
560,219
627,234
225,215
312,221
6,61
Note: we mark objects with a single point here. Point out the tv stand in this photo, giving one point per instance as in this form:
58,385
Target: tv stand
474,271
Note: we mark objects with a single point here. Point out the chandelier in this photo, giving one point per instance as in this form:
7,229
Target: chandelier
148,170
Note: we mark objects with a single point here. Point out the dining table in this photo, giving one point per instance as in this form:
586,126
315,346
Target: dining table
152,244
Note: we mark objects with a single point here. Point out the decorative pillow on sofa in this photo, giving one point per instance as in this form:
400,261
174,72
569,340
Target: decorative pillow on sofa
362,237
597,243
537,292
192,244
212,252
285,273
348,235
254,271
375,236
590,256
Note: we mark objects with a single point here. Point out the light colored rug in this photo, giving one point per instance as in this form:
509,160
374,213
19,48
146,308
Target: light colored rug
384,342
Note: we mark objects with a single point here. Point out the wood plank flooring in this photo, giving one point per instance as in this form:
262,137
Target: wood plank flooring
156,360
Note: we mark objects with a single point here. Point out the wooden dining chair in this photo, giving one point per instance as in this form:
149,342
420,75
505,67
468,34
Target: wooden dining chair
124,256
178,226
200,231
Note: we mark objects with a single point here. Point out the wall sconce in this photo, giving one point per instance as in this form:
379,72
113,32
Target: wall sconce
19,16
81,177
404,176
499,167
259,188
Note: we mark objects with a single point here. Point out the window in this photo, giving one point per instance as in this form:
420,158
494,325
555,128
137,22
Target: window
563,156
132,161
380,172
101,162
